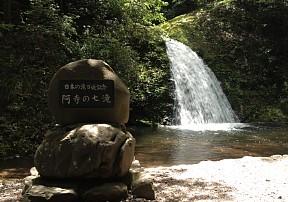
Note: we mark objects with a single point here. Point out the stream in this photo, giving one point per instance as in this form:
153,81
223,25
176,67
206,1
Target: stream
169,146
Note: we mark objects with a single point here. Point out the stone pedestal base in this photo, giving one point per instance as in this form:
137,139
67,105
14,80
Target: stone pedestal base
135,184
87,162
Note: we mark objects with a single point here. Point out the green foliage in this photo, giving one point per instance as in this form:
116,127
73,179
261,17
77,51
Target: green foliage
52,33
145,12
245,43
179,7
30,55
149,81
133,51
273,115
284,106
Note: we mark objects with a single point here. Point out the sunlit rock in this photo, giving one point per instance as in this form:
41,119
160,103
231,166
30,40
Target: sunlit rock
87,151
143,187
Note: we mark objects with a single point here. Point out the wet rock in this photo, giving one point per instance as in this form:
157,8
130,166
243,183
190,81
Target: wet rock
87,151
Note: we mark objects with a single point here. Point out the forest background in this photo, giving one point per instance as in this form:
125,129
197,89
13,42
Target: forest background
244,42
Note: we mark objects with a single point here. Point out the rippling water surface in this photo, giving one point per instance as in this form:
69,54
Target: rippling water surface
190,144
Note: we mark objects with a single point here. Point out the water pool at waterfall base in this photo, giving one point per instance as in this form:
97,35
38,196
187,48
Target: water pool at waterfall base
175,145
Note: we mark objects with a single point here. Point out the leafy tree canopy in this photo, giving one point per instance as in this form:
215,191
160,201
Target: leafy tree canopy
37,37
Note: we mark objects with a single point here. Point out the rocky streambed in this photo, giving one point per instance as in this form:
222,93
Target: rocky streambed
243,179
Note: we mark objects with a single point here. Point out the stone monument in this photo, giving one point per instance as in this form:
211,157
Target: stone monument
88,91
89,155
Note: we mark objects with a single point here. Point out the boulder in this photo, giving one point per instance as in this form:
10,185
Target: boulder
82,77
87,151
38,193
143,187
106,192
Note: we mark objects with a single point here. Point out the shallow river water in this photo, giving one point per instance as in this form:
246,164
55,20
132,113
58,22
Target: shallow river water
168,146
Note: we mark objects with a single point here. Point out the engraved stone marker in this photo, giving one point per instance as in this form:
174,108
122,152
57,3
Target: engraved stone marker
88,91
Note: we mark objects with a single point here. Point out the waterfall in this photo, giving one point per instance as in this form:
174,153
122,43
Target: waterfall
199,96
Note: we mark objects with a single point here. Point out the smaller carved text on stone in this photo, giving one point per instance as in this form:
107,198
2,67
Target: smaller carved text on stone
86,93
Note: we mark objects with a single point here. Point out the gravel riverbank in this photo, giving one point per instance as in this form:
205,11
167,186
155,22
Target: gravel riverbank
244,179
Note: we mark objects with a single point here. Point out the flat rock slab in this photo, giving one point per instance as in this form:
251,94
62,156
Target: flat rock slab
38,189
59,191
37,193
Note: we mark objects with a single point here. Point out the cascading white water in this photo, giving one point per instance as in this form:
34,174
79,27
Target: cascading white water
200,98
